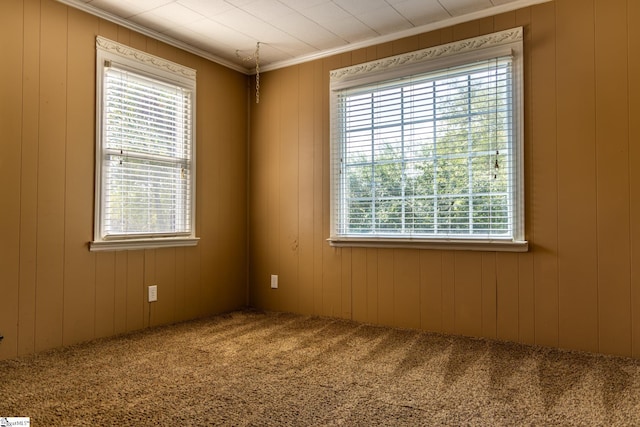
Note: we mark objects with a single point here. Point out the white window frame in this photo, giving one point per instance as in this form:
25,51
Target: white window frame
110,53
503,43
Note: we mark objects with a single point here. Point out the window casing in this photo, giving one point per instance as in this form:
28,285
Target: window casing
145,150
426,148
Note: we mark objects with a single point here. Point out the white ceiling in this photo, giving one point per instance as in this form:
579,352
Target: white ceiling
289,31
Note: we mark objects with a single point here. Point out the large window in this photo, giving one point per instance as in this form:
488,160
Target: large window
145,150
427,148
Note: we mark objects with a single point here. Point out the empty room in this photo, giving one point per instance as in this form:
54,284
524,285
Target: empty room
320,212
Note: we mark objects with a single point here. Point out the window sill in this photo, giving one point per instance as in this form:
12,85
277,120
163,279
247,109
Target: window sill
148,243
442,244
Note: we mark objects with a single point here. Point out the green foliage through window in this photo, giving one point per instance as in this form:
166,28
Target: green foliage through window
429,155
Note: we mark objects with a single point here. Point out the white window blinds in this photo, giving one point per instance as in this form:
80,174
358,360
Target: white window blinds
145,150
147,156
431,155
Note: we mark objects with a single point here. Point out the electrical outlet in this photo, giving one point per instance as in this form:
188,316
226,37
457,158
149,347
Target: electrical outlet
153,293
274,281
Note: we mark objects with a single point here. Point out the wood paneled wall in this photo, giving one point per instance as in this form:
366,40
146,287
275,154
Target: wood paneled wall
53,291
579,285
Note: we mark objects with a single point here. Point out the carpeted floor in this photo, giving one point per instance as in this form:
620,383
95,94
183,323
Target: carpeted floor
267,369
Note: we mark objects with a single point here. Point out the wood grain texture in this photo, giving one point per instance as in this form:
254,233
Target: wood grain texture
406,288
577,288
612,172
10,172
29,176
51,176
468,293
79,264
431,290
633,70
543,196
59,293
287,213
306,248
577,198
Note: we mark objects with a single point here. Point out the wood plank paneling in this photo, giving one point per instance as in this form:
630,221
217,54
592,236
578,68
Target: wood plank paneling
359,284
385,303
526,299
466,30
577,245
526,285
468,293
559,293
274,192
10,172
136,295
432,39
209,181
239,208
51,175
331,262
259,199
543,196
345,284
431,290
633,67
55,290
232,203
504,21
287,189
219,273
372,285
572,290
507,319
485,25
180,286
612,171
406,288
79,263
319,178
405,45
150,312
448,292
105,294
489,296
120,292
166,281
193,286
305,187
29,175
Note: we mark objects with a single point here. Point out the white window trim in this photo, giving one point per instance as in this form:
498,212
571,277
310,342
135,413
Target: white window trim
430,59
108,50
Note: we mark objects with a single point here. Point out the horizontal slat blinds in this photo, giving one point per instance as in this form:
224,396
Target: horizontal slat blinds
147,152
427,156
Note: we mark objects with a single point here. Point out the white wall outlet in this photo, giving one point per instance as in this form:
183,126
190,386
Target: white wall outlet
153,293
274,281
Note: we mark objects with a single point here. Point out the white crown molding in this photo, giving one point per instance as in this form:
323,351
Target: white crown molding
442,51
146,58
503,8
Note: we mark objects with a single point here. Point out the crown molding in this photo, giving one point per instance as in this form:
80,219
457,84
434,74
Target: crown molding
442,51
146,58
503,8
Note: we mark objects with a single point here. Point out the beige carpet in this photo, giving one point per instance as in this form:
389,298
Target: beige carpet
267,369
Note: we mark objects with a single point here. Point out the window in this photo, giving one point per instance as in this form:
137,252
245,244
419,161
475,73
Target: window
426,148
145,164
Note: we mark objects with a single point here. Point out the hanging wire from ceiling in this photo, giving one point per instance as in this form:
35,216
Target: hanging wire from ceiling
256,57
